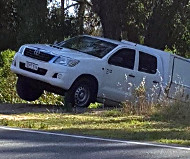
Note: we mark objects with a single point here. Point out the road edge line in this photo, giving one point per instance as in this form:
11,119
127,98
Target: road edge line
95,138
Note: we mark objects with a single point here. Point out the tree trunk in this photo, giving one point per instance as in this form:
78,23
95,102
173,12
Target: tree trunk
111,14
63,16
81,16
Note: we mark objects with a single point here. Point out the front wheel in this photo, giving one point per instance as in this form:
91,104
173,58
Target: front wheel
28,89
81,94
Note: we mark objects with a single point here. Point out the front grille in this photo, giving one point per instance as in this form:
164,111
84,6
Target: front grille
39,55
40,71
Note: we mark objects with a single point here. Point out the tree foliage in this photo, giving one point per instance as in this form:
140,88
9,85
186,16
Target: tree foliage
168,26
33,22
7,24
31,19
157,23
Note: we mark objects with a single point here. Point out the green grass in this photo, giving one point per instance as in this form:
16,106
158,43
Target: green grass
103,124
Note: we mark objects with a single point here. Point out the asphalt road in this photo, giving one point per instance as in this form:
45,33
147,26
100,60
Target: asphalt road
28,144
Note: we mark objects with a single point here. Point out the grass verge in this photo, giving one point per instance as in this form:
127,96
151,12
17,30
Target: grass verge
104,124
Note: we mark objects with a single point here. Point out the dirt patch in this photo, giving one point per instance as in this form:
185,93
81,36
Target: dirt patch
28,108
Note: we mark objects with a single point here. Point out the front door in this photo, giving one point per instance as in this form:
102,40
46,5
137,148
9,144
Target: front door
119,75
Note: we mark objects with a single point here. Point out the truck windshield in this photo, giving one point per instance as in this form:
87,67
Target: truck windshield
88,45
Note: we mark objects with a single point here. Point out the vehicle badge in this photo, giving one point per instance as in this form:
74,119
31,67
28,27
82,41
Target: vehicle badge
37,52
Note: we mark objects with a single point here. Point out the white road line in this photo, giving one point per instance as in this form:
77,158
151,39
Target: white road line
95,138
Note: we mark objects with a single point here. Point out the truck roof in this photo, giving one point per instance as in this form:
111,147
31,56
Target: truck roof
139,46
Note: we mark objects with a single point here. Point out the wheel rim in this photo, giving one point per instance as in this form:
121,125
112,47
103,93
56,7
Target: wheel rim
82,95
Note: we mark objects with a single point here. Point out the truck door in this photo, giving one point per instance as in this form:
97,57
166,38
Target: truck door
149,74
119,75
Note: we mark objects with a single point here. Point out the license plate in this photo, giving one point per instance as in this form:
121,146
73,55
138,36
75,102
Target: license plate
31,65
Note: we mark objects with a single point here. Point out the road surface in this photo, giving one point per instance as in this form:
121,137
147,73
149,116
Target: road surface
28,144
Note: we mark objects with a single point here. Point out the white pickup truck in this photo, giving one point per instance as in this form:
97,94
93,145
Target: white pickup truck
87,69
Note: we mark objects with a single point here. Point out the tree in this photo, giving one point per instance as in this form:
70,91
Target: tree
7,25
112,16
31,21
82,11
156,23
167,24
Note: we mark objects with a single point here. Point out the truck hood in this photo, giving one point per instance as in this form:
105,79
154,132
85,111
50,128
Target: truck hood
61,52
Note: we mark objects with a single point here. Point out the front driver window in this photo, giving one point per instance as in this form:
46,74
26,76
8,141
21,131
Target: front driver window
123,58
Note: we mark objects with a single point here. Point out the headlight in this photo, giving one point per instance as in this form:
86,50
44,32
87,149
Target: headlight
66,61
21,49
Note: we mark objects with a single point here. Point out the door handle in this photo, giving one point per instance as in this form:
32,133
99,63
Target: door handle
156,82
132,76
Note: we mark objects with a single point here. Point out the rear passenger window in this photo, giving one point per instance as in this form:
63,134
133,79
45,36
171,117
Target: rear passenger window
147,63
123,58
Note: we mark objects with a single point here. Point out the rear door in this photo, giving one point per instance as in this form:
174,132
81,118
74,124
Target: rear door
149,74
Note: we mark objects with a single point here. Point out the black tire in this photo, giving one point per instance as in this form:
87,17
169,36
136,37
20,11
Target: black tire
28,89
81,94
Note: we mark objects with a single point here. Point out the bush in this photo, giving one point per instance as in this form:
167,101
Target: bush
176,111
8,82
139,104
8,79
163,108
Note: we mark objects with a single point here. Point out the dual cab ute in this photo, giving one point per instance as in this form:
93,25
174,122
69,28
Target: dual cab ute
87,69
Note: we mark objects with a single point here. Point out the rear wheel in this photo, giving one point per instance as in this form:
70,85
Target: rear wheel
28,89
81,94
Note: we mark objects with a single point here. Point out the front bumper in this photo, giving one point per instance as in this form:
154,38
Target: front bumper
53,74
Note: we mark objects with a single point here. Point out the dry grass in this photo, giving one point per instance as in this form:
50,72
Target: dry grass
109,124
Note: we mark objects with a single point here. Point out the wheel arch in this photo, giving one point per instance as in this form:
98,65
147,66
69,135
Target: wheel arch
91,78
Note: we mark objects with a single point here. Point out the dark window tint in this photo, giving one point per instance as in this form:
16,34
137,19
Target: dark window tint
147,63
123,58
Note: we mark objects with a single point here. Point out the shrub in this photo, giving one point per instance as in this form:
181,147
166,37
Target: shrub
176,111
8,81
164,108
139,104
